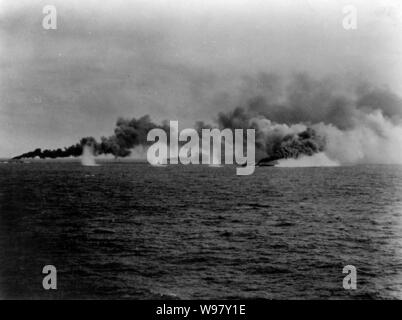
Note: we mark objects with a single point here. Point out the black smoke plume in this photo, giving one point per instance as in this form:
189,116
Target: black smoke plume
128,134
276,144
131,133
302,117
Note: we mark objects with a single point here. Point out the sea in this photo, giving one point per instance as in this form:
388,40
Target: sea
128,230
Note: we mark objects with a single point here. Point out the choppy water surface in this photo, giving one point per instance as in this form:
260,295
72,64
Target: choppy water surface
124,230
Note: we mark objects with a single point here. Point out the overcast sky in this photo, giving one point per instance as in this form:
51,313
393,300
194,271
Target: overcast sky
172,59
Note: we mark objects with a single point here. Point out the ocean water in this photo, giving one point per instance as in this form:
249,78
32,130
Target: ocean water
132,231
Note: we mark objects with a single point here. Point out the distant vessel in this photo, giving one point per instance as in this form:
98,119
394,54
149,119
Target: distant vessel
267,162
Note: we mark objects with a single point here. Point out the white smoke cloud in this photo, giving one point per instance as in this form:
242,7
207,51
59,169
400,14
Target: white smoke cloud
87,157
374,139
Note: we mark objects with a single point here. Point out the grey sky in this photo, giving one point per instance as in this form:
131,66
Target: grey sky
172,59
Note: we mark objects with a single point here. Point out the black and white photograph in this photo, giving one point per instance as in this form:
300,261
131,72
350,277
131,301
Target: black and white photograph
200,150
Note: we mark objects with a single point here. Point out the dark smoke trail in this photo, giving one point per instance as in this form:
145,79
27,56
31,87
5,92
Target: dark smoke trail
71,151
127,135
131,133
305,117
